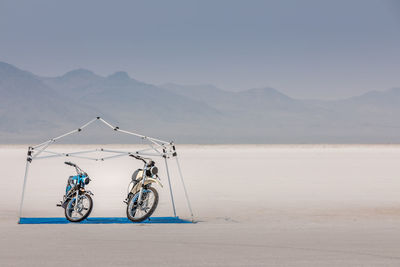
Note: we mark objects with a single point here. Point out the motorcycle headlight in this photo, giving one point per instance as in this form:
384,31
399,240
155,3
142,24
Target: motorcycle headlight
87,180
153,170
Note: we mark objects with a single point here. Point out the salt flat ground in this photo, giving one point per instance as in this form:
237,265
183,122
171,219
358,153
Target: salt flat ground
264,205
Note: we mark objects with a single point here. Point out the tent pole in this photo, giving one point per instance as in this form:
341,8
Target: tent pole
41,150
170,188
184,187
23,189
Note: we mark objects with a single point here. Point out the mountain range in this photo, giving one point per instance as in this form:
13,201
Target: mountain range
35,108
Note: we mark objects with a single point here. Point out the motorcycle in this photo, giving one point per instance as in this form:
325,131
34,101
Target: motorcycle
77,201
142,198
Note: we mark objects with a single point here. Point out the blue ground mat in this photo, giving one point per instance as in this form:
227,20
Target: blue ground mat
100,220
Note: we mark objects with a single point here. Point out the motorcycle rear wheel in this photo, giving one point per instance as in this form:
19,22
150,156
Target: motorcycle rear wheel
138,215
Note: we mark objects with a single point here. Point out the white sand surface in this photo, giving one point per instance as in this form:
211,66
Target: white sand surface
256,205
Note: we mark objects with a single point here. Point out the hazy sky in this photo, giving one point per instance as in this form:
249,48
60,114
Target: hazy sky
323,49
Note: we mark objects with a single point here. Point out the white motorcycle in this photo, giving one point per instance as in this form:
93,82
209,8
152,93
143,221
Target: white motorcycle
142,198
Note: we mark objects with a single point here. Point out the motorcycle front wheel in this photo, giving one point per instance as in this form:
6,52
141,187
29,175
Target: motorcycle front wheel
82,211
138,211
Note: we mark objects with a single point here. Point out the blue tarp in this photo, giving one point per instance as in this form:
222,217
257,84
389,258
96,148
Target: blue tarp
100,220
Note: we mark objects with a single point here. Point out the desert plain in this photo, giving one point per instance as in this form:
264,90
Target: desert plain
254,205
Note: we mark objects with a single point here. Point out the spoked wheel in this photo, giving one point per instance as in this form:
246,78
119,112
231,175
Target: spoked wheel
82,211
138,211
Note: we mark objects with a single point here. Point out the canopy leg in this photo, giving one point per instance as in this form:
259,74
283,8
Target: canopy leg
184,188
23,190
170,187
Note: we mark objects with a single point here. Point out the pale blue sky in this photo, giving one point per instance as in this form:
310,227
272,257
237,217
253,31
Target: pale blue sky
324,49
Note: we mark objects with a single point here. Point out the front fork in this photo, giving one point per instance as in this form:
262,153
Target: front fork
141,188
76,200
77,196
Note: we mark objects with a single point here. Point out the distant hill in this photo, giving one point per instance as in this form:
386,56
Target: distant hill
34,108
28,106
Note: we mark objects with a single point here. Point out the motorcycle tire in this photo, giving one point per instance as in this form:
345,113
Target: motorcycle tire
148,214
71,219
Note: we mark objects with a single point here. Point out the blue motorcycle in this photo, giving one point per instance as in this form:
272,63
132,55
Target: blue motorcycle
77,201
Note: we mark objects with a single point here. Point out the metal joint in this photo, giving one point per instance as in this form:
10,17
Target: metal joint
29,158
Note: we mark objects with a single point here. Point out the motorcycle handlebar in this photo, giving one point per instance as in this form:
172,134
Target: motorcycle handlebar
70,164
138,157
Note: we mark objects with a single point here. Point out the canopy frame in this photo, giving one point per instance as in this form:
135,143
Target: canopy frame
157,148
